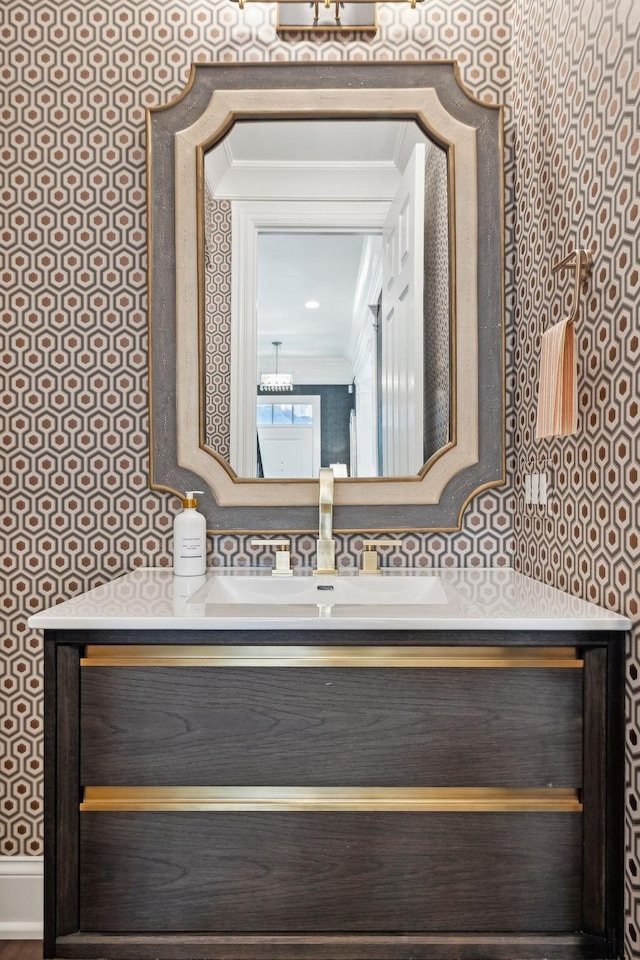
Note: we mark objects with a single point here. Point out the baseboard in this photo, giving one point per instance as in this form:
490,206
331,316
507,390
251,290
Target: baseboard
21,898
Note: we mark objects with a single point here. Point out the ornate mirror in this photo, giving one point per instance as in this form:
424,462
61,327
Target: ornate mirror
326,288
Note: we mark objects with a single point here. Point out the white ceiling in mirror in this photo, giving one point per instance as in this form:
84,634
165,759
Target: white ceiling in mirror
363,159
314,141
330,269
310,158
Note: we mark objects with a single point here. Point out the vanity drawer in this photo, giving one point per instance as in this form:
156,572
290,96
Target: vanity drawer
323,725
392,872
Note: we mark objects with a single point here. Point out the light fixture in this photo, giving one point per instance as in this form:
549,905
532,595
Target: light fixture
278,382
312,304
331,15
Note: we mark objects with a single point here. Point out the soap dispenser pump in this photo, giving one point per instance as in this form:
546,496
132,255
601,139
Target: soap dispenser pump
189,539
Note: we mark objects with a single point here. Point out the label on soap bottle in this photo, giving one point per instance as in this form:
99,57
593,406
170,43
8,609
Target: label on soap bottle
190,548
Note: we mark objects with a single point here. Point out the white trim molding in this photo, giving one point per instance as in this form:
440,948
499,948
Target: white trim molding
249,219
21,898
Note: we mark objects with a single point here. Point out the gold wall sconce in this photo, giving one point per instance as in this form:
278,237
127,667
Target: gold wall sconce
294,16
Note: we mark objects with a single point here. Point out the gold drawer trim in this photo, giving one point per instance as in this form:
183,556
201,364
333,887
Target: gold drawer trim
317,656
417,799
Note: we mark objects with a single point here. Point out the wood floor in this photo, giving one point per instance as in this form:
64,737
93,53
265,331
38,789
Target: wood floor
20,949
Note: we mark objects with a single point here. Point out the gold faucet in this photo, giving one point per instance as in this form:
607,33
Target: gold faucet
326,545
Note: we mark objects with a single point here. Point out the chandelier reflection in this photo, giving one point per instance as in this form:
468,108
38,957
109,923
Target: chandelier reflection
277,382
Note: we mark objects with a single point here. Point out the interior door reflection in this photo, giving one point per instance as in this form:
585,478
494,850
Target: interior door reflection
289,432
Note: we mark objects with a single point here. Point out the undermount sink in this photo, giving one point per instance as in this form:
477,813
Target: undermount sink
324,591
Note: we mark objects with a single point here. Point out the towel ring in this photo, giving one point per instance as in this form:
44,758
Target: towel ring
581,261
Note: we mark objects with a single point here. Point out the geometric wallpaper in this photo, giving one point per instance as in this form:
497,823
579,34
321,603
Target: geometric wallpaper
76,77
576,83
437,345
217,323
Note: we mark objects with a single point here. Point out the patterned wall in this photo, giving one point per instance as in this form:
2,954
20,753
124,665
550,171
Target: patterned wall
576,69
437,345
76,78
217,323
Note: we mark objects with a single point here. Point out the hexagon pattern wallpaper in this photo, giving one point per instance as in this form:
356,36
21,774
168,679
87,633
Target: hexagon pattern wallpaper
576,140
77,76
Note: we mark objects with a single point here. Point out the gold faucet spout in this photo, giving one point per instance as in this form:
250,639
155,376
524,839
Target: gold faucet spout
326,503
326,545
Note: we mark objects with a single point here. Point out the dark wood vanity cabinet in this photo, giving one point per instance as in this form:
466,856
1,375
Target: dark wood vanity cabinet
333,794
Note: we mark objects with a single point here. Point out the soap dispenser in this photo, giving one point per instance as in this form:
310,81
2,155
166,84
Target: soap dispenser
189,539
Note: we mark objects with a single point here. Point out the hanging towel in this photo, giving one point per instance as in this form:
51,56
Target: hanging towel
558,389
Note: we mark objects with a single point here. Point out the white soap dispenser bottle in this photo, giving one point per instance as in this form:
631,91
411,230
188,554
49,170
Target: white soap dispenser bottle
189,539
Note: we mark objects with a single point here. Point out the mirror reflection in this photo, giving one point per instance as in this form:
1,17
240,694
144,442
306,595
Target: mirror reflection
326,303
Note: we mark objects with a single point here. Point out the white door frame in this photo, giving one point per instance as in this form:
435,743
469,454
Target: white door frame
248,219
402,331
316,424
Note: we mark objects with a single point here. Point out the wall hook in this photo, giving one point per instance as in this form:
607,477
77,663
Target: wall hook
581,262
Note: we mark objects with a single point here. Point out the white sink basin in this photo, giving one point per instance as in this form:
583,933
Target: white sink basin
324,591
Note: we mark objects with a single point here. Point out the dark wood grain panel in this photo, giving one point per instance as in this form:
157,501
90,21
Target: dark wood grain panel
360,874
614,775
476,946
331,726
595,790
50,794
262,872
67,788
330,637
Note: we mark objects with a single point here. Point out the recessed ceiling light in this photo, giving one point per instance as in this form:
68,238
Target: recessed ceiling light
312,304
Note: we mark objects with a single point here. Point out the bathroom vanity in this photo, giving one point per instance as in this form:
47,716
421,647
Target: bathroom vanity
405,766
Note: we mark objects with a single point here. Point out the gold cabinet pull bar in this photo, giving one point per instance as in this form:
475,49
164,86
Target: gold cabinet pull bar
416,799
338,656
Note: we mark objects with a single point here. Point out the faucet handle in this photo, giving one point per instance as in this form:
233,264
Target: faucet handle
370,563
283,556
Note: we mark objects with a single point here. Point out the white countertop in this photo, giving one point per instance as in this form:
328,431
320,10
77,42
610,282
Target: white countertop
464,599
